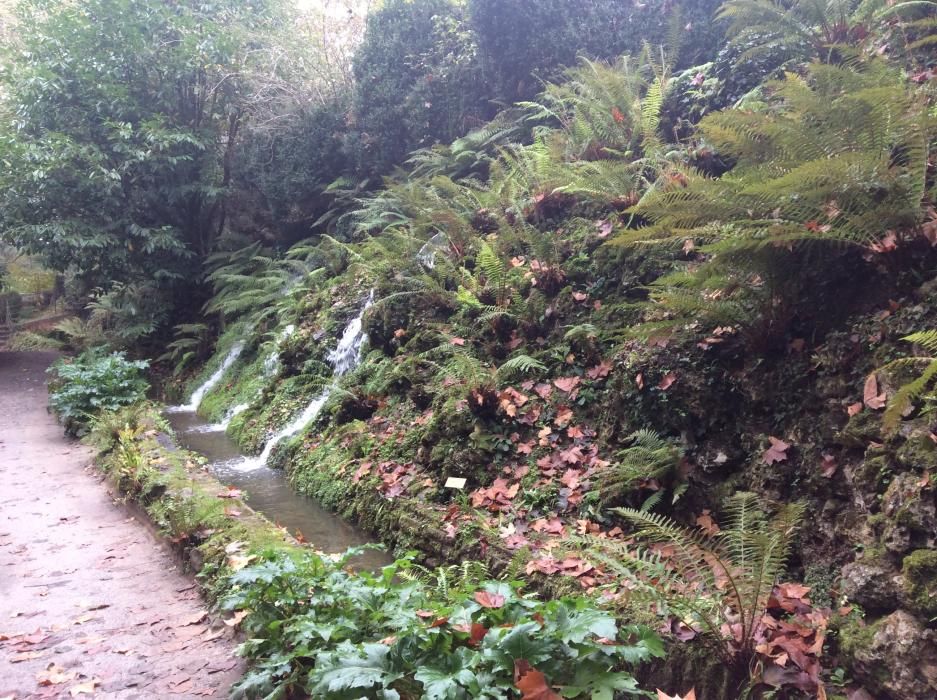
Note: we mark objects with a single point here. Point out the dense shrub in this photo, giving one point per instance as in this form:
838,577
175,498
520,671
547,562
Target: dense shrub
418,81
312,625
83,387
520,39
287,166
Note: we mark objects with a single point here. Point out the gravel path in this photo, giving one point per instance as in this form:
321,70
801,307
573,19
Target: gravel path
91,604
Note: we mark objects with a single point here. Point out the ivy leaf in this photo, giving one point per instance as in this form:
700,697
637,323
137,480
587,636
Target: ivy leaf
523,641
351,667
574,626
601,685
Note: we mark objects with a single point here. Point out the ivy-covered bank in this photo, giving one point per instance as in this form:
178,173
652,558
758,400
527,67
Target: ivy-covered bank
519,350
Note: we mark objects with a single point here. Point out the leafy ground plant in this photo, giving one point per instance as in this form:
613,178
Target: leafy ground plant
90,384
315,627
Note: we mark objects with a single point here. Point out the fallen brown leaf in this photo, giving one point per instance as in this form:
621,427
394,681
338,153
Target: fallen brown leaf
236,619
870,394
86,688
194,619
777,452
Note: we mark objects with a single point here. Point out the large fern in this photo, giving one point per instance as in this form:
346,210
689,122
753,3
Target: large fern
835,31
713,582
648,456
903,399
837,157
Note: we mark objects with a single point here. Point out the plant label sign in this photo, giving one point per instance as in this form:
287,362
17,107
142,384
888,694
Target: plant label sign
455,483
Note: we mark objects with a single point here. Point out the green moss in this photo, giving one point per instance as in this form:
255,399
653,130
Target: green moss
275,409
853,636
874,473
917,453
242,384
861,428
920,581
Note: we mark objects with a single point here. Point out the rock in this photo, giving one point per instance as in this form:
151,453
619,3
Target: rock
899,658
834,387
920,581
873,585
911,512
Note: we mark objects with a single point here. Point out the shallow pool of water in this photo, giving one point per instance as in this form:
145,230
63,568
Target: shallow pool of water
269,492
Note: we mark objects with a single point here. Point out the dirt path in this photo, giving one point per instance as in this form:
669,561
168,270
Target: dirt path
91,605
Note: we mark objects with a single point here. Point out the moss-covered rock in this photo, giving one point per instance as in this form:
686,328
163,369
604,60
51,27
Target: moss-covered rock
872,583
920,581
895,657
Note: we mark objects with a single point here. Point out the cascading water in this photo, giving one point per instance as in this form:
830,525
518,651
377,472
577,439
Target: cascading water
273,359
268,490
344,358
270,366
211,382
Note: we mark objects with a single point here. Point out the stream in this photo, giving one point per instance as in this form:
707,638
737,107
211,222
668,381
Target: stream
267,490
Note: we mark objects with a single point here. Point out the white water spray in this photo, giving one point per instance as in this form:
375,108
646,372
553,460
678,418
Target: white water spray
270,365
344,358
211,382
273,359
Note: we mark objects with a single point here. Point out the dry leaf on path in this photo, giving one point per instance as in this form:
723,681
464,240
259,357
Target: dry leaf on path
194,619
86,688
53,675
235,619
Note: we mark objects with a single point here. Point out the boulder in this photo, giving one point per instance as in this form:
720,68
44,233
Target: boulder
872,584
898,658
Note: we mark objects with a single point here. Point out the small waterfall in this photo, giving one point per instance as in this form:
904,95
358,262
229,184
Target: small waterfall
344,358
222,426
273,359
211,382
270,365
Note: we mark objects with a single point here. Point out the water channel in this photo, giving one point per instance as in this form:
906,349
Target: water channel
268,491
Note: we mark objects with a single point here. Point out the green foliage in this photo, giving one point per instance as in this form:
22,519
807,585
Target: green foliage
520,365
314,626
26,341
831,32
417,79
130,467
901,402
711,579
521,42
648,456
190,344
252,285
83,387
837,157
127,112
